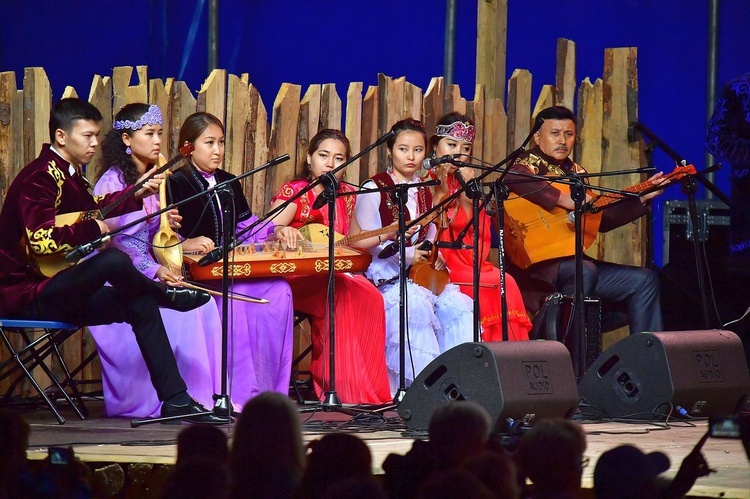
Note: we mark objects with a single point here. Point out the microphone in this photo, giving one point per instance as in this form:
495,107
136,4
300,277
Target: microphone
329,183
537,125
214,255
321,200
389,250
76,254
430,163
453,245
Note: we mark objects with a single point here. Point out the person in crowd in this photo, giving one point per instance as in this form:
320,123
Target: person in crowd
130,149
626,472
52,185
359,312
197,478
334,458
454,135
635,288
435,323
728,138
261,341
203,442
551,455
267,458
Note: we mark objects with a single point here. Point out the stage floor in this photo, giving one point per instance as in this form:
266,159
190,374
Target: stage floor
112,440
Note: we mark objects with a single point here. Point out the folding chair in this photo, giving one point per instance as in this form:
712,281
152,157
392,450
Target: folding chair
33,353
296,372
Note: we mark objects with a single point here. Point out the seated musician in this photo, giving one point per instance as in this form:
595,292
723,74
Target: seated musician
435,323
634,288
130,149
455,135
52,185
359,316
261,339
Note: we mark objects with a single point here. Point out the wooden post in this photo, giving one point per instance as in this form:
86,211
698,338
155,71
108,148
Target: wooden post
238,112
354,128
330,107
309,120
453,100
10,137
492,29
160,94
495,131
284,125
565,73
432,103
370,132
588,148
212,97
124,93
257,152
519,99
183,105
37,103
475,111
100,95
412,101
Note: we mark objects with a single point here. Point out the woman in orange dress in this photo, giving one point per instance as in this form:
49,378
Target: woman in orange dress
455,135
358,306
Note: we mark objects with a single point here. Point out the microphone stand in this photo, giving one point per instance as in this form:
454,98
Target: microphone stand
222,404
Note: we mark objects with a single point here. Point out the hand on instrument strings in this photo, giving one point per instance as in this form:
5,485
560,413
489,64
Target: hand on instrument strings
168,277
103,227
419,256
174,218
287,236
200,244
441,173
440,261
656,179
150,187
411,231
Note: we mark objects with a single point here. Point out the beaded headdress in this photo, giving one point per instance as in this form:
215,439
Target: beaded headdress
151,117
457,130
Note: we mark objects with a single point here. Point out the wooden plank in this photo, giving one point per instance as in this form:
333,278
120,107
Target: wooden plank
69,92
492,30
100,95
183,105
212,97
353,129
390,106
588,148
8,133
256,152
412,101
453,100
620,104
284,125
37,103
120,81
138,92
238,112
432,104
519,104
330,107
309,121
369,163
160,94
495,131
565,73
475,111
546,99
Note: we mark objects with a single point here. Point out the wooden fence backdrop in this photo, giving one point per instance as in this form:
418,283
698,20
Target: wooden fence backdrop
604,109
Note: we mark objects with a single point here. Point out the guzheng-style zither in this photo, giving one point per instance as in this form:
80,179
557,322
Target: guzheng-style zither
263,260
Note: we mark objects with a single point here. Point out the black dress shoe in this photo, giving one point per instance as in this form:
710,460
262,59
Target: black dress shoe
193,407
182,299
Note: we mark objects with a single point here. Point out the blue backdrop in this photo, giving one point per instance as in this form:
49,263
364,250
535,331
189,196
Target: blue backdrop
340,41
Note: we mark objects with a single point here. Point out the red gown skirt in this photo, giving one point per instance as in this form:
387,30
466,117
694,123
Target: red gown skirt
359,349
460,263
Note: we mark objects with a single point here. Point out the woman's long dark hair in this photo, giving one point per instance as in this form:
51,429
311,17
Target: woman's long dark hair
192,128
113,148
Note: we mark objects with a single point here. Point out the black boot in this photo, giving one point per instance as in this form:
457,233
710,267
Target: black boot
188,408
181,299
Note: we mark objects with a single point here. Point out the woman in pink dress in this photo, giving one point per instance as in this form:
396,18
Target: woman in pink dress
358,307
455,135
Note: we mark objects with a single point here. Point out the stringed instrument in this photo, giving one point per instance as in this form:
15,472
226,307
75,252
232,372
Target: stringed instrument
48,265
533,234
318,234
167,246
424,273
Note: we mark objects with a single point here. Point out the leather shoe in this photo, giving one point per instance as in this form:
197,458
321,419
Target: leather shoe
182,299
193,407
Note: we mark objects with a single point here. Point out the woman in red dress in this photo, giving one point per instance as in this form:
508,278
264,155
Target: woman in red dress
455,135
358,306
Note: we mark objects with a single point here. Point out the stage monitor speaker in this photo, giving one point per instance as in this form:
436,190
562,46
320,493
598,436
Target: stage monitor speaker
702,372
520,380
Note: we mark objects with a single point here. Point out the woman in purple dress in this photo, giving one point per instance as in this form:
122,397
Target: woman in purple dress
129,150
261,341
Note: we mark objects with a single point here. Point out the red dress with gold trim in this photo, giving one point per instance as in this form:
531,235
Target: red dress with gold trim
361,375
